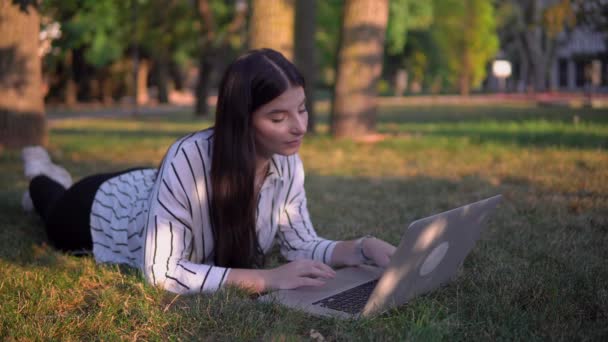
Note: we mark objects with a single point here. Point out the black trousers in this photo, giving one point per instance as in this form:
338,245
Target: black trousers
66,212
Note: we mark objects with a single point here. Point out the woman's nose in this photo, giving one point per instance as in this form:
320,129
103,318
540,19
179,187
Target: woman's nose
299,123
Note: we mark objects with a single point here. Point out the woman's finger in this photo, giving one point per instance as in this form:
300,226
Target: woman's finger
314,272
326,274
305,281
384,260
325,268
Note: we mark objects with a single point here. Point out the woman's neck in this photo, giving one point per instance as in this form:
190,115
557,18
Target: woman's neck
261,168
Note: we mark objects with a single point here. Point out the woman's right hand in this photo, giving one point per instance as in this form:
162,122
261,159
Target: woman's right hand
298,273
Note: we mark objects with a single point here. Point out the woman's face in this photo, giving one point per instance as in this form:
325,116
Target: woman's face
281,124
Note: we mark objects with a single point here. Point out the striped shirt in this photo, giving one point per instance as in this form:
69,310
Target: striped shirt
159,220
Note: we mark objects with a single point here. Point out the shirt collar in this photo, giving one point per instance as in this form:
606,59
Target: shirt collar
274,170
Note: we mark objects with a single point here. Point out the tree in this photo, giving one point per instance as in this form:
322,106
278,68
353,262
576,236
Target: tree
594,13
167,32
98,61
359,67
272,26
86,54
326,39
22,120
305,52
222,29
405,15
533,28
465,32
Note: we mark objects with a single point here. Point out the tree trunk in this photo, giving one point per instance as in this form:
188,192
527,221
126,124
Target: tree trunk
205,68
272,26
162,79
359,67
523,65
305,52
142,81
212,45
71,89
22,120
106,87
176,76
533,38
82,75
464,81
464,84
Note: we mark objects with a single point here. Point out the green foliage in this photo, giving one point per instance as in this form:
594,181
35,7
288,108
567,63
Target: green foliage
102,27
165,29
105,29
465,33
327,35
406,15
223,13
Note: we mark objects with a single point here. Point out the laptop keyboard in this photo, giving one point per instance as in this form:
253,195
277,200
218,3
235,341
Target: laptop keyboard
352,300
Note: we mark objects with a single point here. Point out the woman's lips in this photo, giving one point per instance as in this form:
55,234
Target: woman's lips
294,143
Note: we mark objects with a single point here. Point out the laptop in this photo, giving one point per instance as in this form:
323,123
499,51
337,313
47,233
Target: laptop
428,256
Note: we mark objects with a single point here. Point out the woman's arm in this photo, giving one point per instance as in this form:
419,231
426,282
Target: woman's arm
178,236
366,249
299,240
289,276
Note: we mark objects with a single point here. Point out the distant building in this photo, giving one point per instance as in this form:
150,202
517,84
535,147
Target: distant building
581,61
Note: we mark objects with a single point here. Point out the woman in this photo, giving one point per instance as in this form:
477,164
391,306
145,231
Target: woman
213,208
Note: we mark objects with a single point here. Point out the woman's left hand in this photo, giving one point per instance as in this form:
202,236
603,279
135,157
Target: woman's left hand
377,251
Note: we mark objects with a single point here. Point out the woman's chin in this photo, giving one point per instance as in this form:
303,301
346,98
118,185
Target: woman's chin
289,151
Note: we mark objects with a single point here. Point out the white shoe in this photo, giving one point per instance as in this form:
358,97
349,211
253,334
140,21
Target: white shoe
36,161
26,202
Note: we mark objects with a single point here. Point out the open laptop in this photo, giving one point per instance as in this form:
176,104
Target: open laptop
429,254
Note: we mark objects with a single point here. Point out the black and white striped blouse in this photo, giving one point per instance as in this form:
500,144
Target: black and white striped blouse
158,220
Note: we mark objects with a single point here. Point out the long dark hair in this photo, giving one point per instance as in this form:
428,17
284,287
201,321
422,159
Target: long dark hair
251,81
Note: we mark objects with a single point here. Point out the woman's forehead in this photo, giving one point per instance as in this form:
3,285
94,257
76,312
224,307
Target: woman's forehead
292,97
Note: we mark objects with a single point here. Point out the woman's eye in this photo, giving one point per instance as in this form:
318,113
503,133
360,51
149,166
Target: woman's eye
276,120
302,110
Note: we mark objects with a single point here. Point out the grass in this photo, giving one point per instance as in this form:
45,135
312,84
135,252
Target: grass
539,271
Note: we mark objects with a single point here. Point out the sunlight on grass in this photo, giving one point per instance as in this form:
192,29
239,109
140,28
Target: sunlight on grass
539,270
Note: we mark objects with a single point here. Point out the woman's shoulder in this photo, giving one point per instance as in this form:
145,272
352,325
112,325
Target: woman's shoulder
196,142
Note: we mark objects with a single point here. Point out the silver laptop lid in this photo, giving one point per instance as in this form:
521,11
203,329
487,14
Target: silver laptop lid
429,254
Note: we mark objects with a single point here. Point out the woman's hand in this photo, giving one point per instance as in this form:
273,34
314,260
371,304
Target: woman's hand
298,273
377,251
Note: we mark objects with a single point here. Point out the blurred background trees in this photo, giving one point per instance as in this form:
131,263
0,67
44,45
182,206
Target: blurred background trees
144,52
465,36
21,100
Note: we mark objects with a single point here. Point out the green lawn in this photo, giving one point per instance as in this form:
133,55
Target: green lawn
540,270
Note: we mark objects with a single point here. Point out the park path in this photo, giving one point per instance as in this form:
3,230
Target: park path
551,99
57,114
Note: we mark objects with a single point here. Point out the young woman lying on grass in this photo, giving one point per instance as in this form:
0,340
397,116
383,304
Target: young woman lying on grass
206,217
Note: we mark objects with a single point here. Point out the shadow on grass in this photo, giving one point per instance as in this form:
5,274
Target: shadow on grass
534,127
550,137
463,114
117,134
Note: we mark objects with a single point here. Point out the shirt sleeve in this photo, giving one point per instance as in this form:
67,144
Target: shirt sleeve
172,230
296,234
